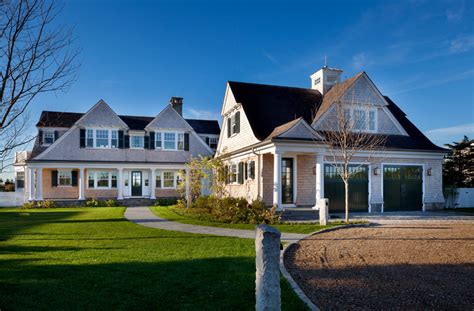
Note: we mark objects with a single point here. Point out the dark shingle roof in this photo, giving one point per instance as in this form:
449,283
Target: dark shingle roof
269,106
67,119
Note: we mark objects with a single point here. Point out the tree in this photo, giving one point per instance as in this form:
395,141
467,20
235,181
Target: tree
458,169
37,56
345,131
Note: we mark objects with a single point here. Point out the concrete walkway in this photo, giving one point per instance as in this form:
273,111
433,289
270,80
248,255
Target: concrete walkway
143,216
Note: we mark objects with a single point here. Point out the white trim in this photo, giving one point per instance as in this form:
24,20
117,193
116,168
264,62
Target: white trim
404,164
306,125
94,173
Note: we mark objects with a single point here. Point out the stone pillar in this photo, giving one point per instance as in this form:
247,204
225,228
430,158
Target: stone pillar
153,184
39,184
323,212
81,184
267,280
188,185
319,179
120,184
31,184
277,180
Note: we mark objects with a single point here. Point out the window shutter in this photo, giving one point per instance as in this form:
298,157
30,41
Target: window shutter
229,124
40,137
126,141
158,180
54,178
237,122
207,140
74,178
152,140
56,135
82,138
246,167
241,172
146,143
226,174
120,139
252,170
186,141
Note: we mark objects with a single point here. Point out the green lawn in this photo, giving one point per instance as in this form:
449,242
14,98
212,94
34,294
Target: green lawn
170,214
92,258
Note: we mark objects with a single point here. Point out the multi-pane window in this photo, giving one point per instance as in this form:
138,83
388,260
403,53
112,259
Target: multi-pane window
233,173
168,180
90,138
90,180
102,179
158,181
158,141
64,178
20,179
180,141
48,138
113,179
137,141
233,124
213,142
114,139
360,120
169,141
371,120
101,138
250,172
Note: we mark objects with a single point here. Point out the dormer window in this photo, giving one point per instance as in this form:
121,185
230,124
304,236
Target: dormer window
102,139
170,141
363,119
48,137
137,141
233,124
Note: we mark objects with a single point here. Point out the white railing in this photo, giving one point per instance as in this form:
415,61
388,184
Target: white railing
16,198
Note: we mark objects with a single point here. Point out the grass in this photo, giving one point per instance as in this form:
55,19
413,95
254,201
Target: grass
92,258
171,214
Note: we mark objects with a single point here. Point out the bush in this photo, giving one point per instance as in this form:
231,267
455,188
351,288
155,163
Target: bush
166,201
9,188
39,204
111,203
48,204
29,205
94,203
230,210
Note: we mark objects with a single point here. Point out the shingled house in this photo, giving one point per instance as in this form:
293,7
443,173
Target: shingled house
269,142
99,154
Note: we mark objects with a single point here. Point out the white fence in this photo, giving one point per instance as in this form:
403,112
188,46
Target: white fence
460,198
12,198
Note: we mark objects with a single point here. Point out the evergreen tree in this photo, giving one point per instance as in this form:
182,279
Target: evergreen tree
458,169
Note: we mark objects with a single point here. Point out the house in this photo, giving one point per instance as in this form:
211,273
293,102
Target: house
99,154
270,142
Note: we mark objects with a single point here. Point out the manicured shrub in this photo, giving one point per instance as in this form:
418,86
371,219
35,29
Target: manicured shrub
48,204
94,203
29,205
166,201
111,203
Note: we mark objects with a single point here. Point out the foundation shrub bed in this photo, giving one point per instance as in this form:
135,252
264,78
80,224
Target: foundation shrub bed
39,204
228,210
166,201
101,203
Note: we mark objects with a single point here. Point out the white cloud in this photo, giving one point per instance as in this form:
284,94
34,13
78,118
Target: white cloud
445,135
360,61
462,44
203,114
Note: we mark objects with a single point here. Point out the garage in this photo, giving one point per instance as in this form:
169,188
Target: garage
358,189
402,188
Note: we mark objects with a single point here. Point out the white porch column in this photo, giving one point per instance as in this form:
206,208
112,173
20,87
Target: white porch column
81,184
31,184
277,180
319,179
120,184
39,183
153,184
188,192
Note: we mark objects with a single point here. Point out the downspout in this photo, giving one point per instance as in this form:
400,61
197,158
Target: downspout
259,197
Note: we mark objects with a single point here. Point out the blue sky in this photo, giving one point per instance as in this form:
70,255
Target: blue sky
136,55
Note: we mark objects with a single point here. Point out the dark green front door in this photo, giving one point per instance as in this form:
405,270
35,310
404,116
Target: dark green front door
402,188
136,184
358,189
287,180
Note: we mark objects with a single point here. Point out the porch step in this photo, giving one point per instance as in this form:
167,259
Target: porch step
136,202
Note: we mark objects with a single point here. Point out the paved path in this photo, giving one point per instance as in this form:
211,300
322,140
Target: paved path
143,216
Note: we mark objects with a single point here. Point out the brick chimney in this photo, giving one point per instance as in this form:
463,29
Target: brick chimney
177,104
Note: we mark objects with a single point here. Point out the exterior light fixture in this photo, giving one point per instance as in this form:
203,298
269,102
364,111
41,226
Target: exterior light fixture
429,172
314,170
376,171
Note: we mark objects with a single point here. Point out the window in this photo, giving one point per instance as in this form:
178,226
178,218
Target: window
158,180
20,179
168,180
158,141
102,139
180,141
170,141
371,120
137,141
113,180
360,120
233,173
213,142
233,124
102,179
90,138
250,170
317,81
114,139
48,138
90,180
64,178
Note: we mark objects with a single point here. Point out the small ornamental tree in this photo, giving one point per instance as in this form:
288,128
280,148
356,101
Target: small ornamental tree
458,169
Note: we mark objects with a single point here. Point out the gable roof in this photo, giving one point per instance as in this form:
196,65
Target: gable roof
68,119
269,106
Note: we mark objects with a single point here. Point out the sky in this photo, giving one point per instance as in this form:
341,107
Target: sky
135,55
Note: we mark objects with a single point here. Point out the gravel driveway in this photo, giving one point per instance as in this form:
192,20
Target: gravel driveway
391,266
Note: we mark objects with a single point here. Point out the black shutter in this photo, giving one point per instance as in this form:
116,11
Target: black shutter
146,144
82,138
229,124
74,178
40,136
54,178
241,172
152,140
186,141
56,135
246,166
237,122
252,170
126,141
207,140
120,139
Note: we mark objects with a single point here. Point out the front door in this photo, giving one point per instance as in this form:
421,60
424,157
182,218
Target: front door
287,180
402,188
136,184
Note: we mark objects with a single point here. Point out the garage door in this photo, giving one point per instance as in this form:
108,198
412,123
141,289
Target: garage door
402,188
358,189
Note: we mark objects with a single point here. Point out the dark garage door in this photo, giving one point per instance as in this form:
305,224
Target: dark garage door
402,188
358,189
